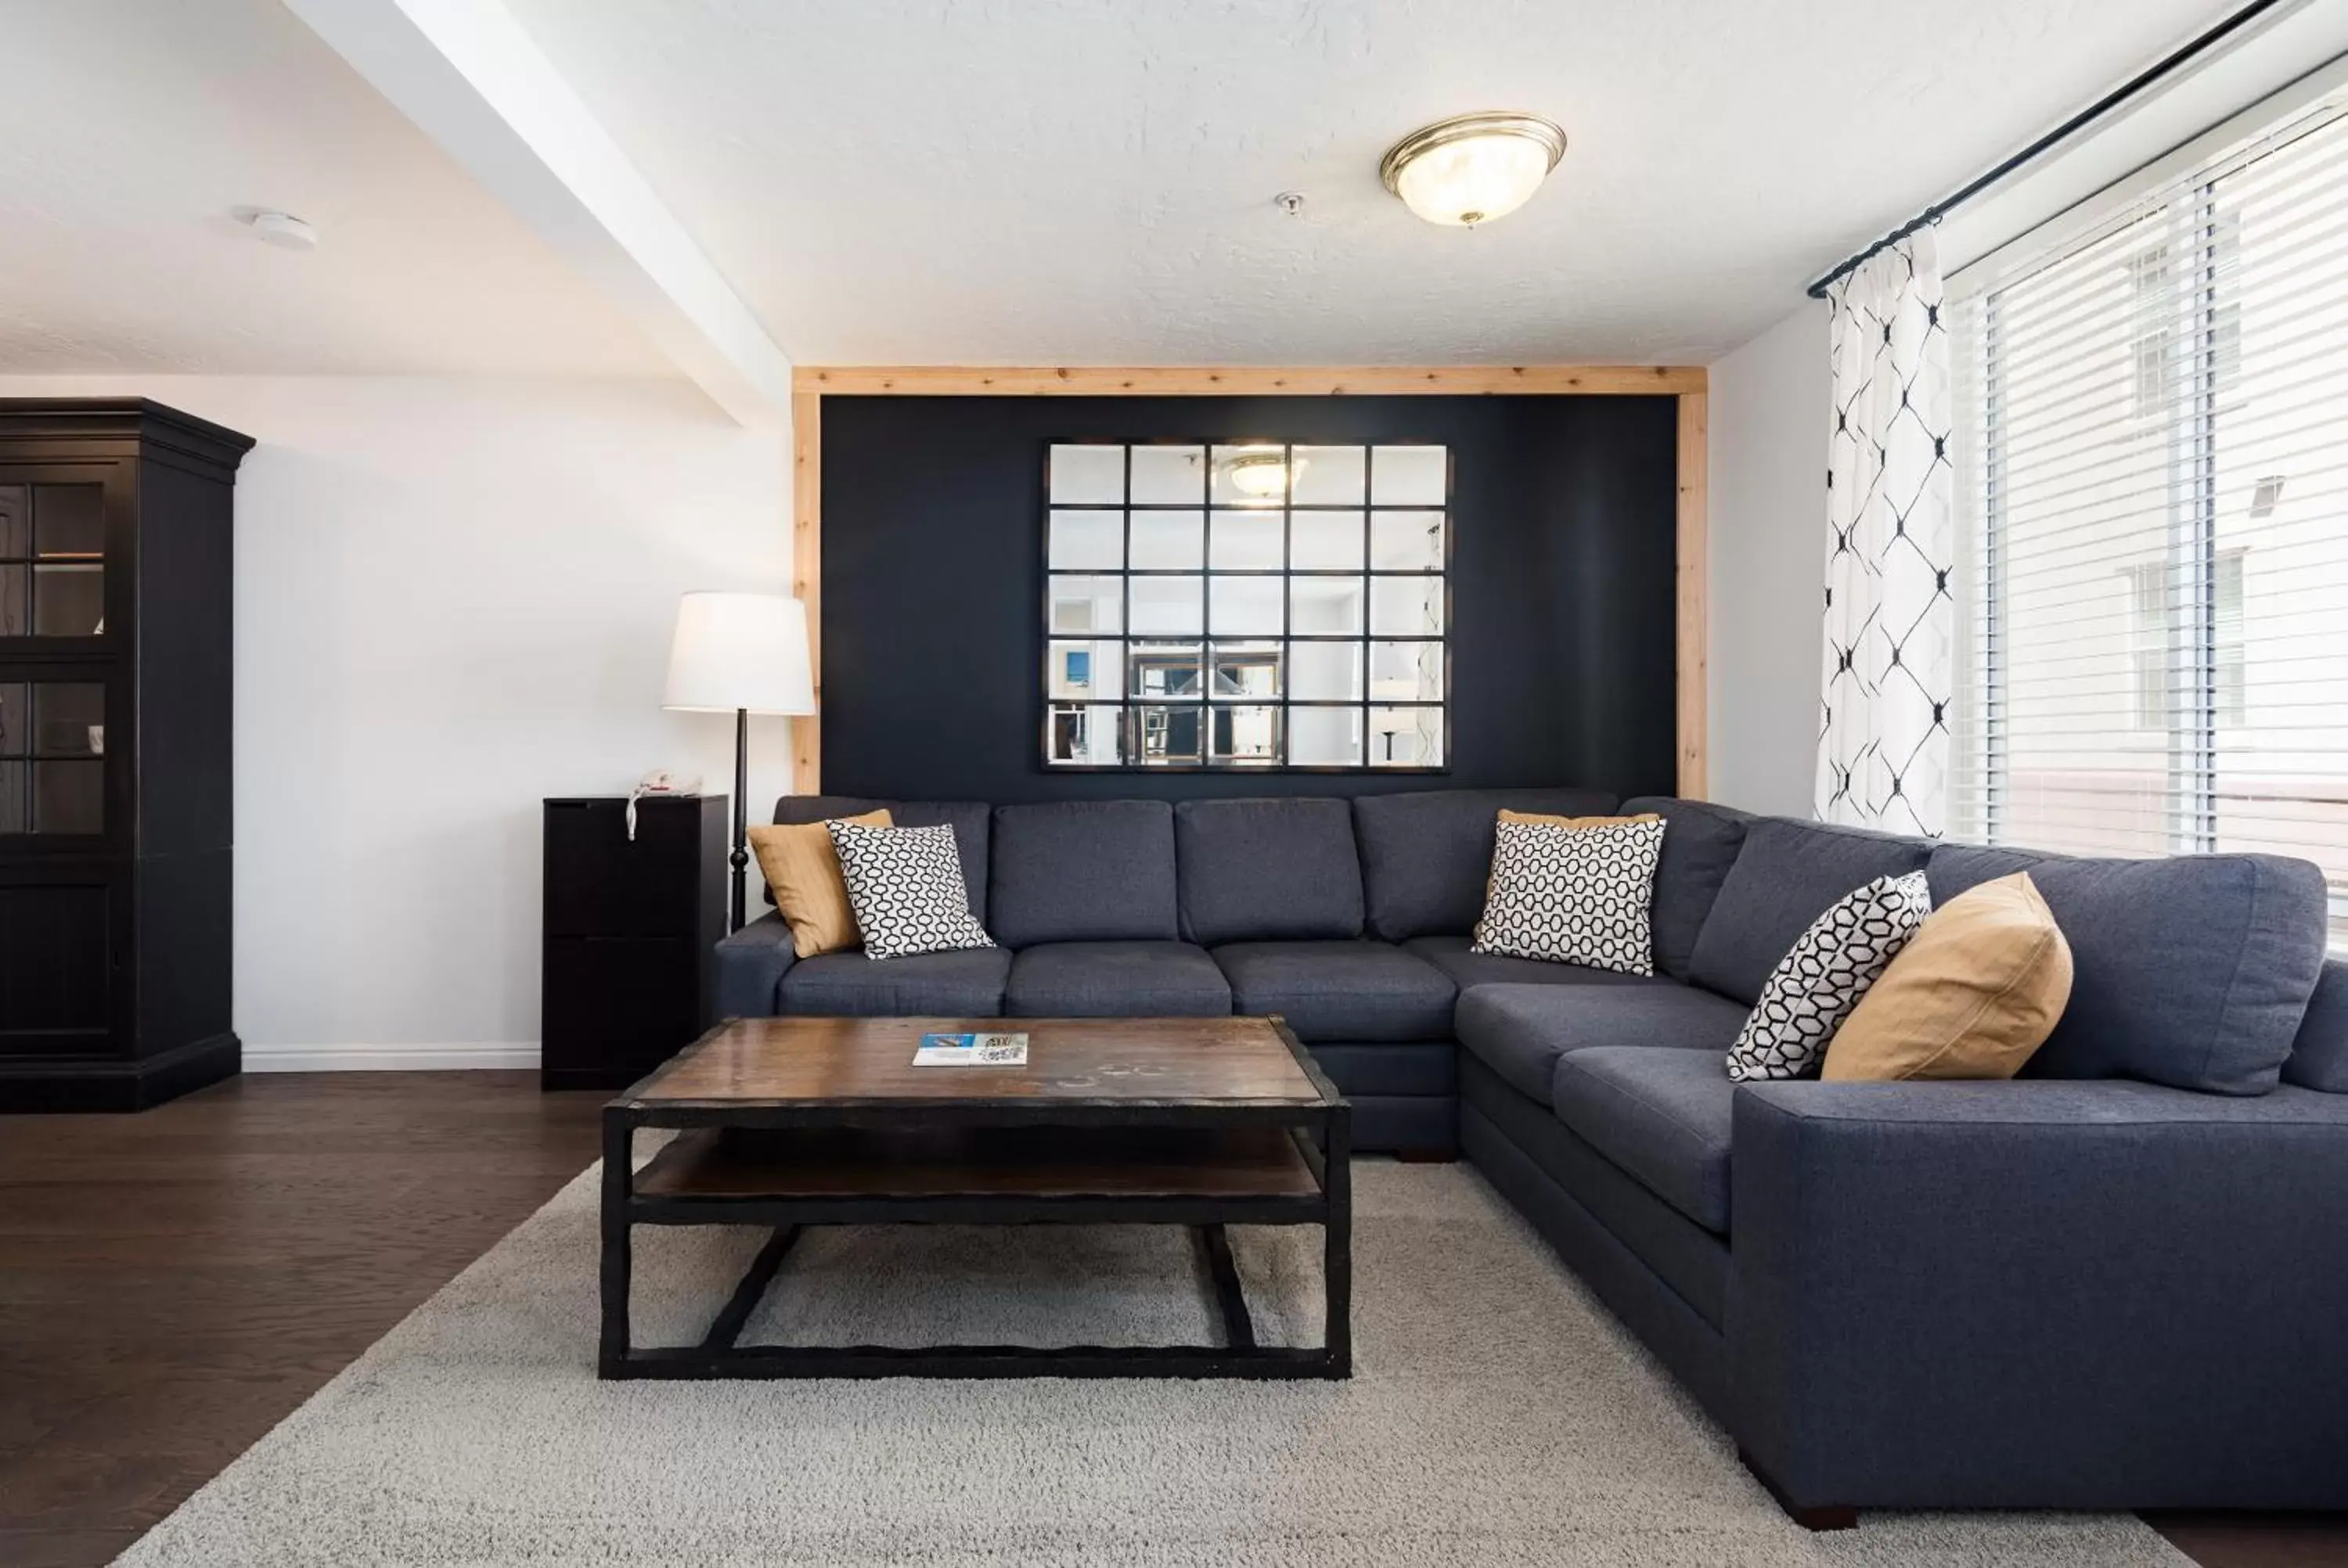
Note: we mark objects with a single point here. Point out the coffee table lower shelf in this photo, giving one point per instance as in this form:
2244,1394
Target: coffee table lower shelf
1200,1178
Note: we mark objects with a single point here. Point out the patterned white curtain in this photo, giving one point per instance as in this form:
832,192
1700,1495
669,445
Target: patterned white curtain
1883,752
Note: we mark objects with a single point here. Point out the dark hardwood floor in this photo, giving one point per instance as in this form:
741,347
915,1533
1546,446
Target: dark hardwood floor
173,1284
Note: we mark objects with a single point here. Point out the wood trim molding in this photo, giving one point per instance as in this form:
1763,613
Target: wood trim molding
1685,383
807,578
1249,381
1694,607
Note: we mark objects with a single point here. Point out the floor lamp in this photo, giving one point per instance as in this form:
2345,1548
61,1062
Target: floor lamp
740,653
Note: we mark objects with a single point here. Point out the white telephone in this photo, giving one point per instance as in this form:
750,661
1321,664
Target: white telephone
659,782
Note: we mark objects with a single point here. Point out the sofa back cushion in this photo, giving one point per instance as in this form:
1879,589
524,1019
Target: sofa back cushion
1700,842
1427,855
967,819
1267,870
2318,1056
1786,876
1084,871
2194,971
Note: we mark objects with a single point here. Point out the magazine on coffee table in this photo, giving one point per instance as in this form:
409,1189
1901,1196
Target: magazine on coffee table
972,1051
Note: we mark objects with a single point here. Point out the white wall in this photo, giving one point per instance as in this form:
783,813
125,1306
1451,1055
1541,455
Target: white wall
1769,407
453,598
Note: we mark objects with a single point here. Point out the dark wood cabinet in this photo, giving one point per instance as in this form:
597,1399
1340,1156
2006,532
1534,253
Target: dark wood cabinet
116,830
630,927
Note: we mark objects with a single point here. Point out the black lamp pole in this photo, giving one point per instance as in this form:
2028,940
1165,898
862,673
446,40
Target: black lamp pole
740,858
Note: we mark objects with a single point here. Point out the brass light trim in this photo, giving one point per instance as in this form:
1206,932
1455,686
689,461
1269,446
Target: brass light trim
1544,133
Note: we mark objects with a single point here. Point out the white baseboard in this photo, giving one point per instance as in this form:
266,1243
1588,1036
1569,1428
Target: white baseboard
354,1058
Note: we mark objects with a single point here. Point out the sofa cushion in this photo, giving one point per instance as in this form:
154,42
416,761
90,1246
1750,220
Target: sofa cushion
1394,1067
1519,1032
1116,979
1084,871
1786,876
965,984
1700,842
1267,870
1661,1115
2318,1055
1425,855
2194,971
1454,957
969,820
1358,991
905,886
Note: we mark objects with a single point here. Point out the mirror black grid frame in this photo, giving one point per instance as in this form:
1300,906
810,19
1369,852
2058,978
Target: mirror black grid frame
1129,707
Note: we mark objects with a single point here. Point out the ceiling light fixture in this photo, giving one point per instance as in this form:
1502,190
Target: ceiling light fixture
1262,476
1472,168
280,229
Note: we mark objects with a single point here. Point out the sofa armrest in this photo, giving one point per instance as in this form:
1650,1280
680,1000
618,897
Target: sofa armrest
751,964
2040,1294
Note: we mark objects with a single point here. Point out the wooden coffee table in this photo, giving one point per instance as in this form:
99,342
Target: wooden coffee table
796,1121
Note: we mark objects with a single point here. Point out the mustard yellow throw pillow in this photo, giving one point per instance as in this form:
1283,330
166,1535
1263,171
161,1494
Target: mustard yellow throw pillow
803,869
1978,988
1579,822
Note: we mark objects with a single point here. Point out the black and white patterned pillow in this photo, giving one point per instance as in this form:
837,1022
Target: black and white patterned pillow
1815,986
905,887
1573,894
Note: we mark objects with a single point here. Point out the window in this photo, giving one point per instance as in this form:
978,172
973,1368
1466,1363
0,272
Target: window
1252,605
2153,489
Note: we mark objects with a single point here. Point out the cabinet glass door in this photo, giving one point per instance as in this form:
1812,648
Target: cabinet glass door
52,560
52,757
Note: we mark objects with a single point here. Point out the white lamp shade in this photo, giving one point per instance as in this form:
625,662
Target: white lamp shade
739,652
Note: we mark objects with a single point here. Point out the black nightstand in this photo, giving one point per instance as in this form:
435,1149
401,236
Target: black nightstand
630,925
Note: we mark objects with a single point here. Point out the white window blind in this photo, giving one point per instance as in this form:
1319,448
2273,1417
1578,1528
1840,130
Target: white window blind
2153,503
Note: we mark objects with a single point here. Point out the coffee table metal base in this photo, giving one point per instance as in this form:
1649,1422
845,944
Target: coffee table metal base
719,1355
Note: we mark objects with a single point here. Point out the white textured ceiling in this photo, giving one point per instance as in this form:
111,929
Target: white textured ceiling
1091,181
129,127
1022,181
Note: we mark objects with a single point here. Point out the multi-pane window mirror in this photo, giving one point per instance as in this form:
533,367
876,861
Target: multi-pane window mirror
1255,605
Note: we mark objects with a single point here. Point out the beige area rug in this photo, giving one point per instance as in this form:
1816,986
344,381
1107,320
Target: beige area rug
1498,1416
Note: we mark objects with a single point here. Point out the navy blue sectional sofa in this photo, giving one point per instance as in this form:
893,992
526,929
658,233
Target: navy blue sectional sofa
2120,1281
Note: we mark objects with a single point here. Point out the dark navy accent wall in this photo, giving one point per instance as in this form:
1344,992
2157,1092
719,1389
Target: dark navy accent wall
1564,518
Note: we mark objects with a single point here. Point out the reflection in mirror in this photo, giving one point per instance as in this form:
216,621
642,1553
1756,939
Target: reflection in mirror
1409,475
1406,606
1170,476
1087,541
1245,670
1406,541
1168,541
1244,541
1087,476
1325,541
1166,669
1244,605
1255,476
1087,669
1325,737
1085,734
1326,607
1244,733
1406,671
1329,476
1326,669
1081,605
1406,737
1168,736
1168,606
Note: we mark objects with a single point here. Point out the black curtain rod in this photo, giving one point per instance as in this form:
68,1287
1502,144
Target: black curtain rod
2085,117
